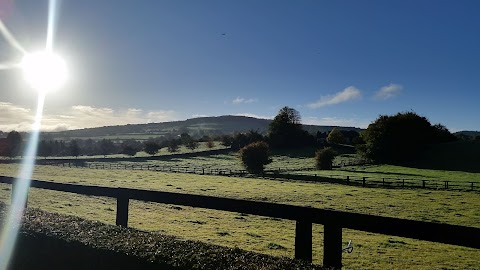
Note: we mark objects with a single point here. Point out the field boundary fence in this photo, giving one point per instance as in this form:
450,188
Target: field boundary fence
282,173
333,221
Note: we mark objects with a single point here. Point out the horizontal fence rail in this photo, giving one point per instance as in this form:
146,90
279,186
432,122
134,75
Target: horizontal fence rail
387,182
333,221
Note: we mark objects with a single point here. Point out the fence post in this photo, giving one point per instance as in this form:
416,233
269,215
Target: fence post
423,183
363,181
472,184
122,208
332,245
383,181
446,184
348,179
303,240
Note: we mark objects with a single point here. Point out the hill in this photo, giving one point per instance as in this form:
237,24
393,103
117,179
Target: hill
470,133
227,124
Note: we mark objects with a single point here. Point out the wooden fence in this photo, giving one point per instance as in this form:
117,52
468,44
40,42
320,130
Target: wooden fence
282,173
333,221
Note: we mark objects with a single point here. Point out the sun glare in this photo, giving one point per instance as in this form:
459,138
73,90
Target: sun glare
44,71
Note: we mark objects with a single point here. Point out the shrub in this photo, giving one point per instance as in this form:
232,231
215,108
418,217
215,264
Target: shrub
255,156
399,138
151,148
335,136
210,144
173,146
324,158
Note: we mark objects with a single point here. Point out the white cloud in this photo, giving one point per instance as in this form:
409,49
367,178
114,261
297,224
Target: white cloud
254,115
349,93
199,115
240,100
389,91
13,117
335,121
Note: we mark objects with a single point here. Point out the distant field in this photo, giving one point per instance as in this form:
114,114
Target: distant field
305,165
267,235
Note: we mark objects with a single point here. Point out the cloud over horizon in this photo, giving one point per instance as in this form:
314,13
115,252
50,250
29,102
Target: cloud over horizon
389,91
348,94
335,121
240,100
14,117
254,115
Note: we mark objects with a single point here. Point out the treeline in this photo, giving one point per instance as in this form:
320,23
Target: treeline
130,147
12,145
389,139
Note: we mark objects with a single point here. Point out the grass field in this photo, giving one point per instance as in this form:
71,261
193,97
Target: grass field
266,235
397,172
298,164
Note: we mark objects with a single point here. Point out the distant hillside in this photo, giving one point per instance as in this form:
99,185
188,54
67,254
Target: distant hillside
196,126
468,133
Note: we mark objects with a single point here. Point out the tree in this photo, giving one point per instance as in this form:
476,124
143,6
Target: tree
255,156
286,131
185,138
210,144
45,149
151,147
14,140
324,158
398,138
74,149
131,147
106,147
173,146
129,150
442,134
192,145
335,136
226,140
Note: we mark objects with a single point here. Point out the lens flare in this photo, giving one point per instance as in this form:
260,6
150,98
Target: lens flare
44,71
13,221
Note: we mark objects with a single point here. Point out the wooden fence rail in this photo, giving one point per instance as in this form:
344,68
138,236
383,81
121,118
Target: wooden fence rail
283,174
333,221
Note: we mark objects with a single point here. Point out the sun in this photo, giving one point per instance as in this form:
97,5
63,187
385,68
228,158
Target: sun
44,71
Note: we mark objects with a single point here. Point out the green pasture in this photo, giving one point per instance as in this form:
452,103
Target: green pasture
266,235
392,172
305,165
231,162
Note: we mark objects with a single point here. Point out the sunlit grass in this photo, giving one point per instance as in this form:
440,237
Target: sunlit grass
263,234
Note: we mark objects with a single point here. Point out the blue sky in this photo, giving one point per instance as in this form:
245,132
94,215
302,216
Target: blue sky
336,62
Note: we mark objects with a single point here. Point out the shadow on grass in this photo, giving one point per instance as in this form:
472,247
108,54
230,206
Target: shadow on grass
387,173
454,156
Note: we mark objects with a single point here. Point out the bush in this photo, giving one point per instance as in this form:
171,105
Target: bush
335,136
324,158
401,137
151,148
210,144
255,156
